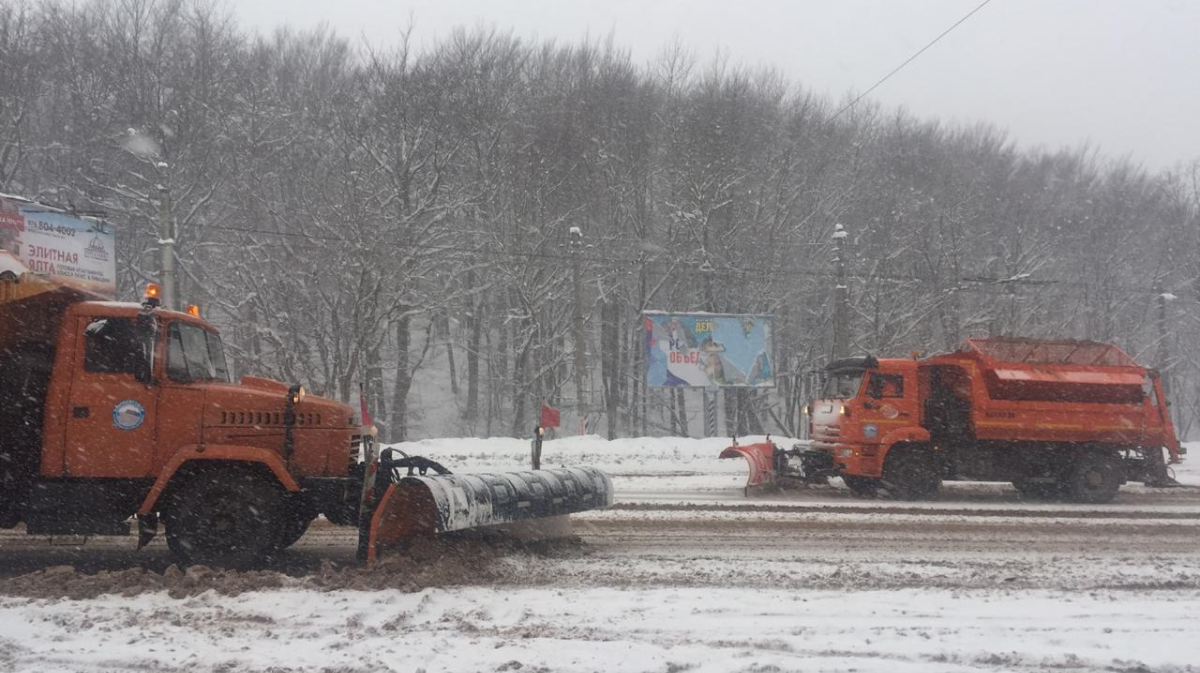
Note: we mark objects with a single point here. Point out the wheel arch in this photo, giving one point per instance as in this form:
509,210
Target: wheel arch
192,459
900,437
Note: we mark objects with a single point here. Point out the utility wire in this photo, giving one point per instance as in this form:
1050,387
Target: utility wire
910,59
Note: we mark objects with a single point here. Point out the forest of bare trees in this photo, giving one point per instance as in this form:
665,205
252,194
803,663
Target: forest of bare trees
398,218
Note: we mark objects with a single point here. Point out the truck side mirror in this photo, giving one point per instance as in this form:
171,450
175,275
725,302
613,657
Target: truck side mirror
147,329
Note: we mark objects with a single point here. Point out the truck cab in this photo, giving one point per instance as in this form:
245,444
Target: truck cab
115,410
866,405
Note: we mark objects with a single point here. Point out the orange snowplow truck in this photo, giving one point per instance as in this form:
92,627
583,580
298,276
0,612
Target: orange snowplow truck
117,411
1057,419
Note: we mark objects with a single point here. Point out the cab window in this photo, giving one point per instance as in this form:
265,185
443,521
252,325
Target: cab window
195,354
842,384
883,386
113,346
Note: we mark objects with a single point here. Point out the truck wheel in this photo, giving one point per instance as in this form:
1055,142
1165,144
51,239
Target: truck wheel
910,473
1038,490
228,518
1094,478
294,528
24,380
863,487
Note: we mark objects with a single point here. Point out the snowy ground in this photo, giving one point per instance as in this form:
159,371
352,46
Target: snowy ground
685,574
608,629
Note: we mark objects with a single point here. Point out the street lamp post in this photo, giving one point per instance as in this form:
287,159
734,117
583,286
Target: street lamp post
841,296
166,245
576,242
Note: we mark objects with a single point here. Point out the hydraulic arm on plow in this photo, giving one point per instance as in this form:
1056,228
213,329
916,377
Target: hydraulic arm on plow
770,465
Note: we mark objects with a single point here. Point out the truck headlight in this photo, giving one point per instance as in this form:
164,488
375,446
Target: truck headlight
870,431
846,453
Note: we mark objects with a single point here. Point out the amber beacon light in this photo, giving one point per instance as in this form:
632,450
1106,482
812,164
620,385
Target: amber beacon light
153,294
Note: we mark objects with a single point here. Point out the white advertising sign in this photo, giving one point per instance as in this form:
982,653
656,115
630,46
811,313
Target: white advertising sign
60,247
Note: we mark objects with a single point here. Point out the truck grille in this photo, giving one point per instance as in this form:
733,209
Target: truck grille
264,418
826,432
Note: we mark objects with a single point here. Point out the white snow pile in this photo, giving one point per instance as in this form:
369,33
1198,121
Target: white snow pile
641,466
668,468
606,630
621,457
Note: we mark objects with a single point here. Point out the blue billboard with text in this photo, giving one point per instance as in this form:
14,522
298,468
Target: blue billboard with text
708,350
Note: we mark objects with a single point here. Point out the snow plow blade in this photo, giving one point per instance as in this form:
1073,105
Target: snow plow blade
526,505
761,459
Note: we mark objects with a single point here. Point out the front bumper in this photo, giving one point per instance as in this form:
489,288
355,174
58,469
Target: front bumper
859,460
338,498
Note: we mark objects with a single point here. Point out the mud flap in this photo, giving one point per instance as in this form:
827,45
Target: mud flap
760,457
524,504
1152,469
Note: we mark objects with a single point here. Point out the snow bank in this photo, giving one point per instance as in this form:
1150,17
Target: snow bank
640,466
650,456
608,629
682,469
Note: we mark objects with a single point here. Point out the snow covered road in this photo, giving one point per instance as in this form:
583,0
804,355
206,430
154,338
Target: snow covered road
685,574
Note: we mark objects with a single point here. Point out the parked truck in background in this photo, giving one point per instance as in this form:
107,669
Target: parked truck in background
1058,419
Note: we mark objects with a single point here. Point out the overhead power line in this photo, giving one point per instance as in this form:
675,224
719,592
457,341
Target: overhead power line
908,60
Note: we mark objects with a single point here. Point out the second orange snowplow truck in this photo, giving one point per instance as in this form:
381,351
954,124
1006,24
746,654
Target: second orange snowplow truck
1057,419
111,411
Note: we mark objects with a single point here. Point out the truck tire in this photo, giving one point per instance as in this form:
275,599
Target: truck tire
911,473
1094,478
863,487
225,518
294,528
25,372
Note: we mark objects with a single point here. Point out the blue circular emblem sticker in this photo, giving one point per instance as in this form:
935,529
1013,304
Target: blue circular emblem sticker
129,414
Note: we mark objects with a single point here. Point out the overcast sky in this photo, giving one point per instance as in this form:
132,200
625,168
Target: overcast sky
1123,75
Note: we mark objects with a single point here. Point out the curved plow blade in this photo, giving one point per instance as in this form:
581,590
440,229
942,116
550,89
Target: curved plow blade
761,459
532,504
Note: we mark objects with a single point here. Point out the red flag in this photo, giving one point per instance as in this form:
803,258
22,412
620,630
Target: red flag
549,417
366,415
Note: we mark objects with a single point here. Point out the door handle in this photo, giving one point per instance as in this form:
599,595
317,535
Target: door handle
81,412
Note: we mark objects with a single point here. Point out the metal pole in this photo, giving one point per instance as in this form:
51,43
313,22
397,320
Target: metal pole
710,412
166,244
841,308
580,334
1164,349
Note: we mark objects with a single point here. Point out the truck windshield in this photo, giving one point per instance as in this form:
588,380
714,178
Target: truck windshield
195,354
842,384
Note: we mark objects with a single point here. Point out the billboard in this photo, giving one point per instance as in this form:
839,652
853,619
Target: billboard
708,350
60,247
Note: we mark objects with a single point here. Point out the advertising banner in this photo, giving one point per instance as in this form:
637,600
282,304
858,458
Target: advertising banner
708,350
60,247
